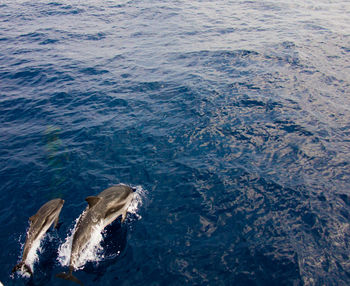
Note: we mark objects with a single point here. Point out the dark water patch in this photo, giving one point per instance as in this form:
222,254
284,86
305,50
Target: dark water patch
290,127
285,53
346,49
48,41
22,51
77,36
142,34
33,37
226,31
248,86
93,71
97,36
345,198
15,62
27,75
55,4
217,57
315,27
61,10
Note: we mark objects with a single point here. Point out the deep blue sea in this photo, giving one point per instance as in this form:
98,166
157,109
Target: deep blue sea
232,117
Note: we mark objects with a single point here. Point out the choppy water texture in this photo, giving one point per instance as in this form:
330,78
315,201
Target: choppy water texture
233,115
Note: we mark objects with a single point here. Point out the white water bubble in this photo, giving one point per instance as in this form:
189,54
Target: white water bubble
65,248
33,254
140,196
92,251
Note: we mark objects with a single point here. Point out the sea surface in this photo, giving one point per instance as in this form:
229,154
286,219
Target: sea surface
232,118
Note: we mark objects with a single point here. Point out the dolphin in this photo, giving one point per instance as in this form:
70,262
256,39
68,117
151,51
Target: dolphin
38,226
102,210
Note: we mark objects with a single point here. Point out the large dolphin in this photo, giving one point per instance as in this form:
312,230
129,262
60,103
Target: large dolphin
102,210
39,224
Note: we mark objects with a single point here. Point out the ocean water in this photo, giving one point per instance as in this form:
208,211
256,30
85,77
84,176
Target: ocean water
232,117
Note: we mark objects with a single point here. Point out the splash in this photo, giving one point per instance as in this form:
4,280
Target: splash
139,198
64,249
93,251
33,255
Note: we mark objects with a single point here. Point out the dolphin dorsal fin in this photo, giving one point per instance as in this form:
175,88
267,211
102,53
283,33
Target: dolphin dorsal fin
32,218
92,200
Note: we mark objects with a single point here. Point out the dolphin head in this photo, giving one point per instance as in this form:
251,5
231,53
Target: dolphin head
46,215
51,209
117,199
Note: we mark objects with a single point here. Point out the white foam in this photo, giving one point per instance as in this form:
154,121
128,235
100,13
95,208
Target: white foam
139,198
93,251
65,248
33,254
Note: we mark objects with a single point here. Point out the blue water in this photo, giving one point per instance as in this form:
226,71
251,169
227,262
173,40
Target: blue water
233,116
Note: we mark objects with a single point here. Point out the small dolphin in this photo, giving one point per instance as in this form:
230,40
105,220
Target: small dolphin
103,209
39,224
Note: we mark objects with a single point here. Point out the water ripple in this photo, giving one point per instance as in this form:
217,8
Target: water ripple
234,116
